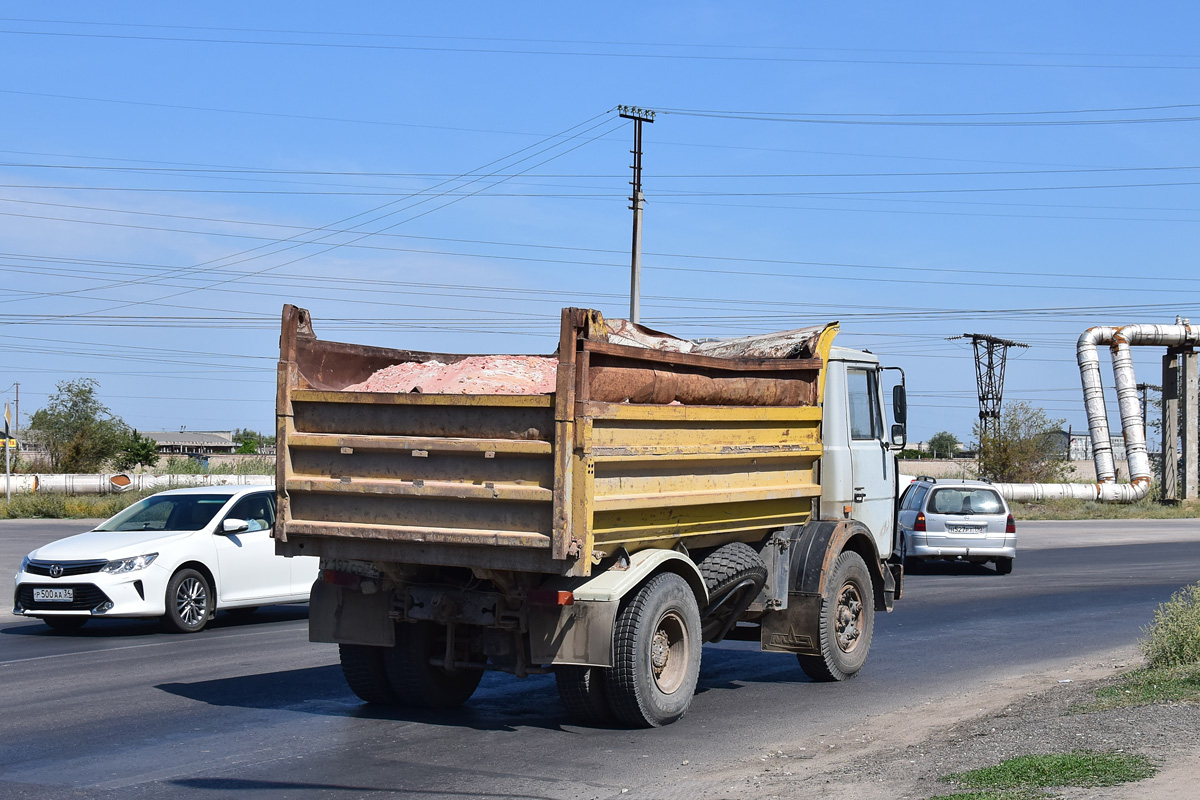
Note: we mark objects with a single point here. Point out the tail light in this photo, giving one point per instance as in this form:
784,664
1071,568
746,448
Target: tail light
1011,525
919,525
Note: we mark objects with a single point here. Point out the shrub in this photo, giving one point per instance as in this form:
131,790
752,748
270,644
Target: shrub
1173,638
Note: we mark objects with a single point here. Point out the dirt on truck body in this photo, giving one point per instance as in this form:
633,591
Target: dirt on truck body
665,493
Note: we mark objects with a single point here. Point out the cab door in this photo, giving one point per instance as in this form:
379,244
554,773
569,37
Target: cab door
872,465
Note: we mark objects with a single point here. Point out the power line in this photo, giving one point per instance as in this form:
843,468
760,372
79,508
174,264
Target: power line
651,54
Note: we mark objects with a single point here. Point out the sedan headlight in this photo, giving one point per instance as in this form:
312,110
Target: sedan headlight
24,563
129,564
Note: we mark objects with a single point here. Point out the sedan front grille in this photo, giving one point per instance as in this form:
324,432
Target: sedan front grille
86,597
69,568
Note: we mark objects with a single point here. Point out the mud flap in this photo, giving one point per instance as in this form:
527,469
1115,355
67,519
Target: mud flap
344,616
580,633
795,629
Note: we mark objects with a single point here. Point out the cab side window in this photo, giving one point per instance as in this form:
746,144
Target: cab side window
866,420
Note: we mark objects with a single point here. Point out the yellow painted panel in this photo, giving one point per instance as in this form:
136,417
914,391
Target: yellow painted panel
635,411
714,435
704,496
703,452
636,528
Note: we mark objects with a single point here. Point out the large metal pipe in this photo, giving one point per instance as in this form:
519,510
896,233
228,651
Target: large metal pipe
1133,425
125,482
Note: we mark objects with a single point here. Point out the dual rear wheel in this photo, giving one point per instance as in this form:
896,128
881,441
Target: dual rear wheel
656,661
402,675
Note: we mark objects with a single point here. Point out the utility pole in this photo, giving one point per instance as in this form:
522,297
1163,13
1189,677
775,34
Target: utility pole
638,115
991,355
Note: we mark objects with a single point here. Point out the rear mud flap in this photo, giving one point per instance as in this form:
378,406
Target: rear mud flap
342,615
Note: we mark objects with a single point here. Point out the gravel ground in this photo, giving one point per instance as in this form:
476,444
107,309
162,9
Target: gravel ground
904,754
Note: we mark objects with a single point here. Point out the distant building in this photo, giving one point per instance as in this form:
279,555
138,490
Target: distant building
192,443
1077,445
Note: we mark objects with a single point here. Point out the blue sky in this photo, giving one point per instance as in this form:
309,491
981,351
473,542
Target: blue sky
448,176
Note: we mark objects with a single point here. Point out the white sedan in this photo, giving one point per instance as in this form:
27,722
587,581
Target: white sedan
179,555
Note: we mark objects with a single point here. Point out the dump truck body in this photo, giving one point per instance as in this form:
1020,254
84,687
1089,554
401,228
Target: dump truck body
516,526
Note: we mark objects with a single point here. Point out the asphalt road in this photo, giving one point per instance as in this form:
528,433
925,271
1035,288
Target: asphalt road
251,708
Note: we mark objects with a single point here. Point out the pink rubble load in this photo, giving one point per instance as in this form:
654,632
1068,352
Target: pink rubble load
472,375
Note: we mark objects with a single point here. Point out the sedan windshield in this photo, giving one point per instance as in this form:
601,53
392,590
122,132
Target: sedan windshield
965,501
178,512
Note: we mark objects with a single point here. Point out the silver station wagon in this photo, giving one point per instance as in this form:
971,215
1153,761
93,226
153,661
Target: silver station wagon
957,520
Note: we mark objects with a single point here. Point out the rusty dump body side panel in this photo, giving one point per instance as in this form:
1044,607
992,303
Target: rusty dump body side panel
637,447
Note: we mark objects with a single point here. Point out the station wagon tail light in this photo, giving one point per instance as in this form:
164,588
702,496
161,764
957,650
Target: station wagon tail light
1011,525
919,525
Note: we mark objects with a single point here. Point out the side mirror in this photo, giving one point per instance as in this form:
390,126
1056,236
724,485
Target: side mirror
899,436
234,526
899,406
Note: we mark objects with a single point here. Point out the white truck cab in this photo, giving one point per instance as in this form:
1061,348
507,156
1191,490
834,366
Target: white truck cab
858,466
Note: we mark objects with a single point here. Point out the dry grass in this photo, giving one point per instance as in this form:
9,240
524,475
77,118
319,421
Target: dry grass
1087,509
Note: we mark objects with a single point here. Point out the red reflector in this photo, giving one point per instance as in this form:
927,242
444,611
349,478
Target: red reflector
919,525
338,578
549,597
1011,525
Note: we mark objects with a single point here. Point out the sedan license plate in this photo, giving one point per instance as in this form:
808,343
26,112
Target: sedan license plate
54,595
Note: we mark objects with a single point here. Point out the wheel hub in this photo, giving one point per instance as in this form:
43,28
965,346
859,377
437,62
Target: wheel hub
669,653
848,618
191,601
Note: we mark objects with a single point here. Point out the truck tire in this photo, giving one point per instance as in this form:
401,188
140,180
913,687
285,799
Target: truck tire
365,673
847,621
416,682
728,566
656,653
583,693
1004,566
723,570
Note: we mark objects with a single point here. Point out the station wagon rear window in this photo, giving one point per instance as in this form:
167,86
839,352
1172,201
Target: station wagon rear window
962,500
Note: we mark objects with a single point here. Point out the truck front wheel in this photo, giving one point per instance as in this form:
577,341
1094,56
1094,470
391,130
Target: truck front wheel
846,623
418,683
656,653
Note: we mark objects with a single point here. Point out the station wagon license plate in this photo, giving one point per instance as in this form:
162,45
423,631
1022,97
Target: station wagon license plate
54,595
964,529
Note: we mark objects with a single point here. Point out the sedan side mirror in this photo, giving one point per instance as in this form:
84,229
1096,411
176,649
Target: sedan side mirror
234,526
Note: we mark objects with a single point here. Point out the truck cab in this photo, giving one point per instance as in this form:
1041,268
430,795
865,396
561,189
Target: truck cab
858,468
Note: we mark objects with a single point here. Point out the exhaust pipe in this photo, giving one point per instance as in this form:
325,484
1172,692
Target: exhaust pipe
1133,426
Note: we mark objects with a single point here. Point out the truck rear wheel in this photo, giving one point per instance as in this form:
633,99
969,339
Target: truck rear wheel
656,653
416,682
583,693
847,621
365,673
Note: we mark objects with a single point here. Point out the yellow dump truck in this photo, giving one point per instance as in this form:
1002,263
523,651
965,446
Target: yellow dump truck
665,494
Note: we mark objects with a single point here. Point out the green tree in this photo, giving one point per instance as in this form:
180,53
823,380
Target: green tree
79,432
1025,447
943,444
136,450
249,440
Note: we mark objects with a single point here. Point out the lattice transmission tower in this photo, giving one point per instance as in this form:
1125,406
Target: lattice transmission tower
991,355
